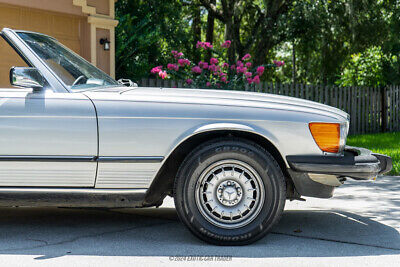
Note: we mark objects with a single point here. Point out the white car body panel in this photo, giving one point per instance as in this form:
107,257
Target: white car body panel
154,121
47,124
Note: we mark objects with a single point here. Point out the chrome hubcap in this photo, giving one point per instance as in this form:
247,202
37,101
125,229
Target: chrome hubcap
229,194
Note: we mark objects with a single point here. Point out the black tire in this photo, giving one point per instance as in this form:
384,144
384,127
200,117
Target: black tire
239,150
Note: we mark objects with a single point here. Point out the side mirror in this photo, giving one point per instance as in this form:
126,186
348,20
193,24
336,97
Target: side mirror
26,77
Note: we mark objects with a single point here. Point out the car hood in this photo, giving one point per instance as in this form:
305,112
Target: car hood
215,97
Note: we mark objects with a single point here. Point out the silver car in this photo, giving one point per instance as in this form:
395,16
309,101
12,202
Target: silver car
71,136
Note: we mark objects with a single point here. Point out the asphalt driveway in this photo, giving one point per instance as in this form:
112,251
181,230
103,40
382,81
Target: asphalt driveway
359,226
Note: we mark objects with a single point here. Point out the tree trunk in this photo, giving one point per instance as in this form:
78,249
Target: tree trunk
210,30
196,29
229,35
262,49
239,49
293,63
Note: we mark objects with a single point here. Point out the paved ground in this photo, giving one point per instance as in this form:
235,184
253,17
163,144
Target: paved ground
359,226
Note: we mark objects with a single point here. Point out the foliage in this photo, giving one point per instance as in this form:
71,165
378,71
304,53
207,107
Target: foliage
146,31
253,26
383,143
327,33
391,44
326,38
364,69
215,73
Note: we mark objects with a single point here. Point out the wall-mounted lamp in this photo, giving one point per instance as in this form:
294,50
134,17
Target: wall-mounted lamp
105,43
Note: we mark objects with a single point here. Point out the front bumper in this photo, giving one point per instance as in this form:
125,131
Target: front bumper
318,175
357,163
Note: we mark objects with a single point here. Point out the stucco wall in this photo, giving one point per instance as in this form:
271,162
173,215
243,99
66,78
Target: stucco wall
103,59
96,21
63,6
102,6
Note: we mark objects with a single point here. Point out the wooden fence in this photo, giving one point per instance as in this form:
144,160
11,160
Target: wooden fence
371,110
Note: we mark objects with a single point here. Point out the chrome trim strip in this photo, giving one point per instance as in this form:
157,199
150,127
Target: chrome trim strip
71,190
49,158
144,159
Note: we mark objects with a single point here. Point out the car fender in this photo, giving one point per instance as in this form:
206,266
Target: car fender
223,126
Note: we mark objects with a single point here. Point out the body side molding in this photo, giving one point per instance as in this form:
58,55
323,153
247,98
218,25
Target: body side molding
131,159
138,159
49,158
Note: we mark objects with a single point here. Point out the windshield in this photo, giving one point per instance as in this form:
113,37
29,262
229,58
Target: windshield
73,70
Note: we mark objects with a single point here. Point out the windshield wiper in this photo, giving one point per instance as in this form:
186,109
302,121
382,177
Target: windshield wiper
127,82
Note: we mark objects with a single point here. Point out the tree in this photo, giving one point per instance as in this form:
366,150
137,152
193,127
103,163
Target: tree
250,25
196,30
210,29
146,33
327,33
391,42
364,69
324,34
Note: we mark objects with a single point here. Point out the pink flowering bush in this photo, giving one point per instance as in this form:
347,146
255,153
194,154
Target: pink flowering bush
226,44
171,66
204,45
245,57
279,63
197,70
156,70
217,73
176,54
213,61
163,74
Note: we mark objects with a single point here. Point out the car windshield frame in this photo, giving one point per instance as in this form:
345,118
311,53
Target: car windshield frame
49,50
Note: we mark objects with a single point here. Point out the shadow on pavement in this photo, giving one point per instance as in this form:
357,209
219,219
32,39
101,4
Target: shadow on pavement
56,232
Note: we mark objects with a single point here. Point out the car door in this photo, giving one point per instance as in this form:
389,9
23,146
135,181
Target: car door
48,138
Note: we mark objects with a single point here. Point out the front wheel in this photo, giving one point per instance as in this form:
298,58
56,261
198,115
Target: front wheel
229,192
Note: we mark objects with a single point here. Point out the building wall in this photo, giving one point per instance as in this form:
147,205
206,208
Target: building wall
63,6
102,57
78,24
102,6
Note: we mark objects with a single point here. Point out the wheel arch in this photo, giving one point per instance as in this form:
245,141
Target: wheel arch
163,182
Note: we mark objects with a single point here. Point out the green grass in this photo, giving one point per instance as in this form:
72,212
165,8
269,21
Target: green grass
383,143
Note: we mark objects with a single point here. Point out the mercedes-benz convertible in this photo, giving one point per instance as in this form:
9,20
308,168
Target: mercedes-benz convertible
71,136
